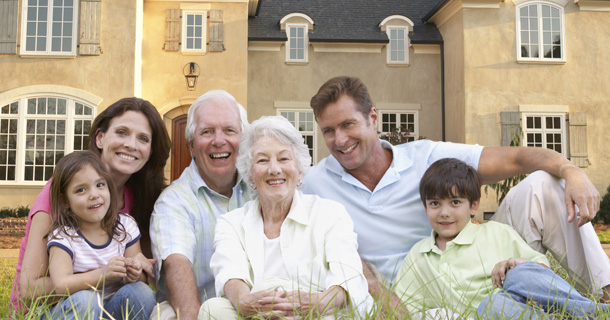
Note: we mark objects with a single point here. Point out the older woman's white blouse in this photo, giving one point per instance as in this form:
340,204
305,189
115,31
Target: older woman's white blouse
318,244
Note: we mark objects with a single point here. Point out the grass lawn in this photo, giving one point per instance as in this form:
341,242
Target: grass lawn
7,274
604,237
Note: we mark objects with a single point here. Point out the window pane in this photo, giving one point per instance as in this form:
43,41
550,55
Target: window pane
537,122
190,19
61,106
41,106
68,14
198,19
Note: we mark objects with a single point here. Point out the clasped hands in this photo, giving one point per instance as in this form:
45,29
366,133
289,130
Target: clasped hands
276,304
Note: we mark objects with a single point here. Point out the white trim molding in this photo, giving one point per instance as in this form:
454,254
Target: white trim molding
51,89
426,48
593,5
296,16
535,108
562,3
265,45
406,21
347,47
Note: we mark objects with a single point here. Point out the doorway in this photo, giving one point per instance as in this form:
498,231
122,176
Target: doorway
181,156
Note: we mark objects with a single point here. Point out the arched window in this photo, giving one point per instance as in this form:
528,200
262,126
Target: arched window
540,32
36,130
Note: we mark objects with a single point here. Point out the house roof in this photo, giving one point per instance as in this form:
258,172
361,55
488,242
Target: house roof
343,20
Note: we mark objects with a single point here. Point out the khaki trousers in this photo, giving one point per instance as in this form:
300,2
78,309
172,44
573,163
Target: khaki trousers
222,308
536,209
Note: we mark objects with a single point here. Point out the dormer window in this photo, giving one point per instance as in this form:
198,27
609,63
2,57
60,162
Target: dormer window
297,27
296,44
397,29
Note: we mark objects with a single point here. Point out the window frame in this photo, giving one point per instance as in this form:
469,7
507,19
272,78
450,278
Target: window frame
289,27
415,113
22,117
313,133
405,48
540,34
49,32
543,130
204,31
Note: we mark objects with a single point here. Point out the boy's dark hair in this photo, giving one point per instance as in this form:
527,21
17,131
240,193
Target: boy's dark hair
449,175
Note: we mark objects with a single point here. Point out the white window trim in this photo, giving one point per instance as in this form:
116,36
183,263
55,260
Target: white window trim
48,52
564,145
204,31
22,128
305,44
414,134
541,58
406,46
314,133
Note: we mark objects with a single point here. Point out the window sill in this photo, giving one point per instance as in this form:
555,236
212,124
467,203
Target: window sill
297,63
542,61
47,56
398,64
193,53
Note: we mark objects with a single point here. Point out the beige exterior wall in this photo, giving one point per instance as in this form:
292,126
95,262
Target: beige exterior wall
453,37
162,78
271,80
109,76
494,82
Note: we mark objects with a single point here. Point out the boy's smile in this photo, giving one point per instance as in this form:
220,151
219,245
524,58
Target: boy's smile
448,217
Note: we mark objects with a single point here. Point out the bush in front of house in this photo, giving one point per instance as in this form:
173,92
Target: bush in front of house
19,212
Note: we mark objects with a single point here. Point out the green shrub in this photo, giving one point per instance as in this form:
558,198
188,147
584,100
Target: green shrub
19,212
23,211
603,215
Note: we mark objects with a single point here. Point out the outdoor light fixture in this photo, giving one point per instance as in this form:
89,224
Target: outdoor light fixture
191,73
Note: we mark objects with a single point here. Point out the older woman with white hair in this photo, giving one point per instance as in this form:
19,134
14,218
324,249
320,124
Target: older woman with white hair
285,254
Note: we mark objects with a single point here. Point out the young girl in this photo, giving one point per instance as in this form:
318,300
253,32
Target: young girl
90,246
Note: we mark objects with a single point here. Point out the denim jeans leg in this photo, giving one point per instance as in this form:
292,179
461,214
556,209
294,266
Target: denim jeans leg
542,286
503,306
132,301
83,304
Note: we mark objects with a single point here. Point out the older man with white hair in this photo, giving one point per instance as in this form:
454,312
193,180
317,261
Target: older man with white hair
182,224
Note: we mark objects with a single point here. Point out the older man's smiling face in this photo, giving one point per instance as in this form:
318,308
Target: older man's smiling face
216,142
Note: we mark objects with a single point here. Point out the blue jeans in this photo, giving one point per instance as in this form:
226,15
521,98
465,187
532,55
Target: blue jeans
529,283
84,304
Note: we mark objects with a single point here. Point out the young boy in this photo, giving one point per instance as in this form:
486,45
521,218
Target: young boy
463,267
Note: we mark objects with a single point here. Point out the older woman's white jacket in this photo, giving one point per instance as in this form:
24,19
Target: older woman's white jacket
317,241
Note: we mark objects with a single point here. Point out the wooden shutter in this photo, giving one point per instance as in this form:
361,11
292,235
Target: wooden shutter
216,31
578,139
172,30
8,26
510,127
90,28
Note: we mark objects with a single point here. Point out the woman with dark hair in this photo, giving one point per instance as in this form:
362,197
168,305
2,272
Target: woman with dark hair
132,141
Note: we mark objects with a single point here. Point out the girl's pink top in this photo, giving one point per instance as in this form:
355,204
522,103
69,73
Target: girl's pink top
43,204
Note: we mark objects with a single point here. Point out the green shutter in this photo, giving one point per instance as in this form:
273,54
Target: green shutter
172,30
216,31
90,28
578,139
510,127
8,26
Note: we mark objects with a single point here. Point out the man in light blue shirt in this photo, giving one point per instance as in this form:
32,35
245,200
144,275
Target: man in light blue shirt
378,183
182,224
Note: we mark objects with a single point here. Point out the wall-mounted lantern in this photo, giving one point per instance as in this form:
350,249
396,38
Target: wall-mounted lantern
191,73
